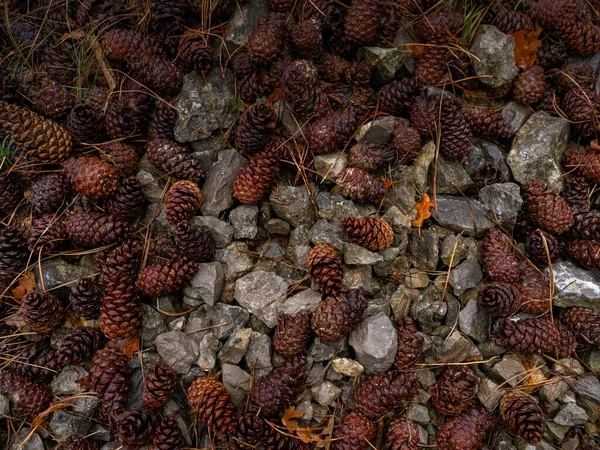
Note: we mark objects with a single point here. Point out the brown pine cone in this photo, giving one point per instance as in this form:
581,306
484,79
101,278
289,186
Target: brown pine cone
13,253
119,44
164,278
123,157
354,432
292,333
10,195
122,260
395,97
530,85
326,269
534,244
585,324
250,432
211,402
182,201
135,428
28,397
265,43
85,124
454,390
38,362
499,299
109,378
157,72
410,344
424,112
91,176
567,344
127,112
307,38
91,229
579,104
42,311
333,130
549,12
439,25
582,38
371,233
402,434
128,201
498,258
258,84
362,22
302,92
194,243
332,67
254,128
466,431
487,122
575,74
257,176
586,164
511,21
522,416
120,315
196,52
537,335
486,175
159,385
163,122
551,54
48,193
546,208
174,159
432,68
241,65
379,394
360,185
85,297
78,345
167,435
370,156
455,142
534,287
406,140
45,234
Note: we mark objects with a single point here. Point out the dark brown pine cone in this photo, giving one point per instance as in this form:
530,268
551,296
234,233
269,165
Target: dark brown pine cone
194,243
486,175
123,157
258,175
582,38
406,140
551,54
439,25
128,111
354,432
249,433
307,38
454,390
332,68
370,156
402,434
362,22
127,203
196,52
424,112
119,44
122,260
85,123
455,142
326,269
10,194
575,74
163,122
500,299
585,164
466,431
174,159
432,68
45,234
511,21
360,185
534,287
13,253
585,324
258,84
579,105
534,244
135,428
546,208
265,43
254,128
78,345
537,335
91,229
522,416
91,176
371,233
212,404
42,311
159,385
530,85
38,362
302,92
487,122
28,397
49,193
167,435
548,12
164,278
292,333
333,130
395,97
567,344
182,201
379,394
85,297
410,344
284,6
498,258
109,378
241,65
120,311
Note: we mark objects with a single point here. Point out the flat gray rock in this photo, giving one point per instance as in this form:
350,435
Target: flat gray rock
217,191
207,284
219,230
262,293
178,350
374,341
494,54
306,300
462,214
575,286
293,204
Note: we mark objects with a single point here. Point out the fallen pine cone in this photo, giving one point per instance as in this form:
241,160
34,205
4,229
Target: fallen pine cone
522,416
371,233
325,266
337,315
211,402
379,394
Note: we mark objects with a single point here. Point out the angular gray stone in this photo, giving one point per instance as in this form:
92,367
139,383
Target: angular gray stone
207,151
450,176
474,321
278,226
244,219
453,250
293,204
204,104
329,165
220,231
57,272
552,391
237,382
399,221
217,191
230,316
306,300
589,387
516,114
153,324
389,60
355,255
537,150
178,350
322,350
423,248
258,355
347,367
509,369
237,262
334,207
462,214
359,278
379,130
235,348
465,276
489,393
504,202
325,232
418,413
326,393
262,293
151,186
374,341
271,249
494,55
571,415
455,348
207,351
65,382
482,152
207,284
4,405
66,426
25,439
575,286
244,20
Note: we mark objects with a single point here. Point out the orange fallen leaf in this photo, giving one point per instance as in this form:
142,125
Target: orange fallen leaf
423,211
417,50
26,284
128,346
526,45
387,183
305,434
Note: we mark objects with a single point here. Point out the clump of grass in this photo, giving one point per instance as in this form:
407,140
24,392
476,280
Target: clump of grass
6,153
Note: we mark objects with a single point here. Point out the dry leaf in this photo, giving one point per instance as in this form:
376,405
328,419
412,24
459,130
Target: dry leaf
387,183
305,434
423,211
535,377
417,50
128,346
526,45
26,284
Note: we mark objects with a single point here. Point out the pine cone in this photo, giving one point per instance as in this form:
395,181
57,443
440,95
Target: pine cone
455,142
39,362
499,299
257,176
194,243
379,394
534,287
371,233
85,297
49,193
567,344
34,135
128,201
585,324
424,114
534,244
91,176
579,104
454,390
196,52
122,260
511,21
91,229
410,344
537,335
354,432
254,128
159,385
164,278
251,432
302,92
85,124
359,185
396,96
135,428
498,258
325,266
486,175
45,234
265,43
551,54
432,67
362,22
406,140
549,12
10,195
575,74
109,376
582,38
546,208
466,431
487,122
123,157
256,85
174,159
119,44
28,397
333,130
337,315
182,201
402,434
586,164
292,333
157,72
530,85
13,253
438,26
211,402
78,346
522,416
370,156
42,311
307,38
127,112
163,122
167,435
241,65
332,68
120,310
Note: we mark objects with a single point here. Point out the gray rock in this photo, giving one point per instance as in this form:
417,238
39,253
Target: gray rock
347,367
537,150
453,250
355,255
237,383
178,350
359,278
65,382
258,355
324,232
290,125
329,166
474,321
198,325
334,207
379,130
489,393
207,151
204,104
153,324
416,279
399,221
462,214
271,249
155,216
293,204
389,60
237,262
322,350
516,114
504,202
401,300
151,186
575,286
207,351
455,348
207,284
244,219
483,151
262,293
4,405
57,272
217,191
326,393
594,361
25,439
552,391
494,55
423,248
418,413
278,226
229,315
243,21
65,426
510,369
450,176
220,231
589,387
571,415
306,300
374,341
235,348
465,276
428,309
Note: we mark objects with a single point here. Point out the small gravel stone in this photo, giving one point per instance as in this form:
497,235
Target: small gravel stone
262,294
236,260
489,393
575,286
416,279
329,166
399,221
347,367
465,276
571,415
26,440
321,350
552,391
589,387
474,321
418,413
325,232
153,324
423,249
356,255
334,207
152,188
462,214
220,231
374,341
483,151
65,382
228,317
516,114
207,351
207,285
306,300
455,348
57,272
258,355
243,21
235,348
66,426
359,278
450,176
509,369
379,130
504,202
217,191
326,393
237,383
4,405
178,350
494,55
278,226
293,204
244,219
